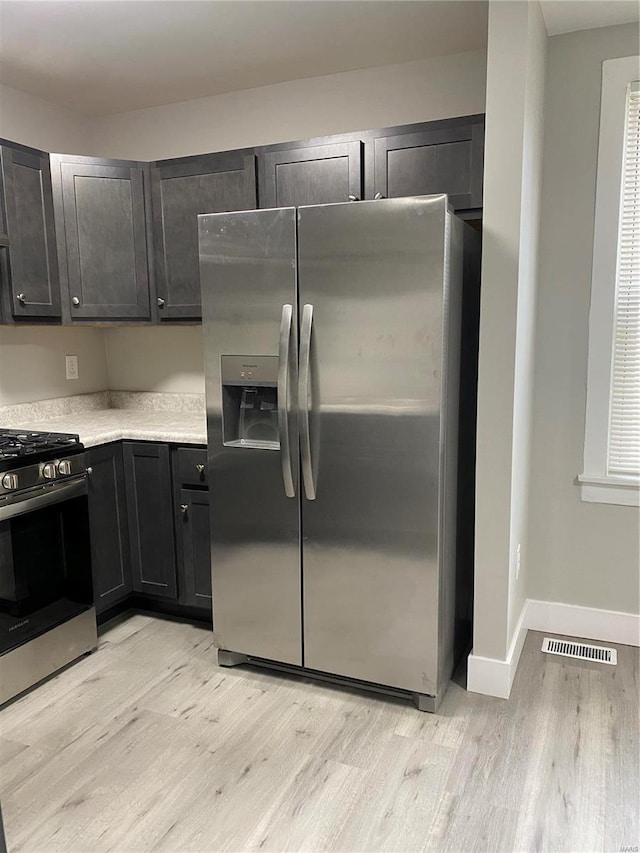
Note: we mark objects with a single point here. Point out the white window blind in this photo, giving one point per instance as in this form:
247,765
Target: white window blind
624,414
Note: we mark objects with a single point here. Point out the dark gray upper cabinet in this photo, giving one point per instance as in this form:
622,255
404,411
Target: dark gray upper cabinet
150,511
316,174
182,189
31,286
126,234
110,549
442,157
102,225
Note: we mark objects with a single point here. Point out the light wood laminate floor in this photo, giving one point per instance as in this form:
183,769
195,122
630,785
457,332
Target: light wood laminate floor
148,745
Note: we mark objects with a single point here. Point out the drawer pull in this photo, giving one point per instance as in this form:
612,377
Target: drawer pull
200,468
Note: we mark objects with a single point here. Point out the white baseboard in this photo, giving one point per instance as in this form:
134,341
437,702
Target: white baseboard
588,623
494,677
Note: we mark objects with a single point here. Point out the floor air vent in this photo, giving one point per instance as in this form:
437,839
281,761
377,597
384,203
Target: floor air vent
599,654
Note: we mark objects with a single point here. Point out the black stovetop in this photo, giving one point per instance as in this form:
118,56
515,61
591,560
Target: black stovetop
25,446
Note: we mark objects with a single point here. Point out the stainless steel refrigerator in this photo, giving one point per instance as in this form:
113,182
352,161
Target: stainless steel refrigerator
332,362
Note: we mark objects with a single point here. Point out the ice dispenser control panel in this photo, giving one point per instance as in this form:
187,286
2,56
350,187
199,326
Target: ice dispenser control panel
250,401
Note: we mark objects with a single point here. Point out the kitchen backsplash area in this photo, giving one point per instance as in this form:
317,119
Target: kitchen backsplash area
32,362
134,358
153,358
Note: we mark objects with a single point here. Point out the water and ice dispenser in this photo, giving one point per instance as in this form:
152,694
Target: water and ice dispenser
250,401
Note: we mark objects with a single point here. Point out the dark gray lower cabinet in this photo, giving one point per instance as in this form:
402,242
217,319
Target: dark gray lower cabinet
110,553
191,495
195,575
150,512
149,517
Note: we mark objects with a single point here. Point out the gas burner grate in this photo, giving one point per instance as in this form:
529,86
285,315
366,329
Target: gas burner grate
18,443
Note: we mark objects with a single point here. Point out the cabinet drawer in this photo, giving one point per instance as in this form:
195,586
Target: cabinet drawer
192,466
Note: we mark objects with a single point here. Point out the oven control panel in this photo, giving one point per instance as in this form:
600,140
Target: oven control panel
41,473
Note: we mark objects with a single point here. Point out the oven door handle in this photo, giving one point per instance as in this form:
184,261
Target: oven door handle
30,503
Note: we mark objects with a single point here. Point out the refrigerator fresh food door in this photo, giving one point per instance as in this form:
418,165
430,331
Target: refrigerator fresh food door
248,279
372,286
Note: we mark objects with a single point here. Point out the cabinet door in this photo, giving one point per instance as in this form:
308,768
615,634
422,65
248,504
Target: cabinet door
319,174
196,548
110,551
102,237
181,190
150,511
32,264
444,157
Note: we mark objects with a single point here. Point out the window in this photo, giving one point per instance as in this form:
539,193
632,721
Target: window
612,437
624,408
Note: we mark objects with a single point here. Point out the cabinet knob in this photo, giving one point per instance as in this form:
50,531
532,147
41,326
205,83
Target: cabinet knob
378,196
75,301
200,468
89,470
160,302
21,298
353,197
184,508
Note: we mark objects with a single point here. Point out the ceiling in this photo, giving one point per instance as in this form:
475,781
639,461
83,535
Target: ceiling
98,57
565,16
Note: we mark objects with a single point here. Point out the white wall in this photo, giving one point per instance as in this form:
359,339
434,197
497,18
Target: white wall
40,124
155,359
580,553
513,166
427,89
32,365
528,266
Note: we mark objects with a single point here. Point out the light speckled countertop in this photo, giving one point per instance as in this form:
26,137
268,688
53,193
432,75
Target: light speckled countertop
113,416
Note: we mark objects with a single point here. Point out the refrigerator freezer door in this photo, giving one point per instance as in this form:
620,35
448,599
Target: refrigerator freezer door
375,275
248,278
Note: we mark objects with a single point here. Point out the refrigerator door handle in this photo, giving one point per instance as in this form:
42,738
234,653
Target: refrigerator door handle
303,401
283,399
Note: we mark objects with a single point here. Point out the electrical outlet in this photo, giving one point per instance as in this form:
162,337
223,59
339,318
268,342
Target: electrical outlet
71,363
518,559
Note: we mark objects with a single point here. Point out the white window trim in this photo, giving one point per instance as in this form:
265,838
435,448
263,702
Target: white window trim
596,485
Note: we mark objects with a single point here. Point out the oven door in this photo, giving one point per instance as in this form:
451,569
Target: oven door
45,560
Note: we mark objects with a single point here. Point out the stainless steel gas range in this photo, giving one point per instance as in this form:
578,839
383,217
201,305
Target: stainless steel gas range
47,618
